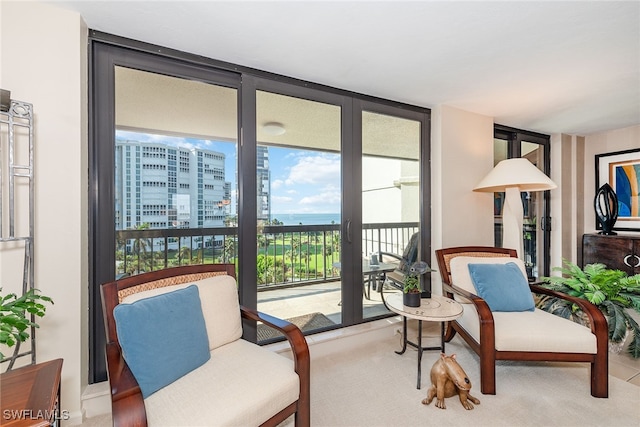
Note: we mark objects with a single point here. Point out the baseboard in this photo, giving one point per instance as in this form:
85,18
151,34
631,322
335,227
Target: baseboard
73,418
337,340
96,399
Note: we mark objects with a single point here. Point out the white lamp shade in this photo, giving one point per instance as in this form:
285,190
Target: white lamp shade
517,172
513,176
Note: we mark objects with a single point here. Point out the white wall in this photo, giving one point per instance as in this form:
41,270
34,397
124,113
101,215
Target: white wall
44,62
461,155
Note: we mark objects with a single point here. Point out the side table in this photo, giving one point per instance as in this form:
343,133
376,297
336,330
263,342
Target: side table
30,395
435,309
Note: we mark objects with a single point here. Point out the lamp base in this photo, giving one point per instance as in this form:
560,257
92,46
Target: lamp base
512,219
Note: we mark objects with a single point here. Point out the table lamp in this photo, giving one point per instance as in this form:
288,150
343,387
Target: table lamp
513,176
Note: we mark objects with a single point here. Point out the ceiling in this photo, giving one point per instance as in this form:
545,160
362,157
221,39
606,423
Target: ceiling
551,67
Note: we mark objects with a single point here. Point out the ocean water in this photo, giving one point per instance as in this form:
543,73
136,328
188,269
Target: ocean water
307,218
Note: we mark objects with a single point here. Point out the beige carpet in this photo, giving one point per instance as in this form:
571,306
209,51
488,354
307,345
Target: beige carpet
372,386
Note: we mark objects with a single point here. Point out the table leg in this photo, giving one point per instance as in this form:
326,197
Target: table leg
418,346
420,349
366,285
384,302
404,336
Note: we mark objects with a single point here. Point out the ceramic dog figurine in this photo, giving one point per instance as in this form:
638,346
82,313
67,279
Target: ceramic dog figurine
448,379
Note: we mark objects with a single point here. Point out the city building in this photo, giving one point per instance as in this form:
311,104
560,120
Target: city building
162,186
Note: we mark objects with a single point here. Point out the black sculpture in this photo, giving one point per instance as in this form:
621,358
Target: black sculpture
606,205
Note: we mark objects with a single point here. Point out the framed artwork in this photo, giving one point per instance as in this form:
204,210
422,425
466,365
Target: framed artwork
621,170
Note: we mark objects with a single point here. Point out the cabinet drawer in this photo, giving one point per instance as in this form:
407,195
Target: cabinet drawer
616,252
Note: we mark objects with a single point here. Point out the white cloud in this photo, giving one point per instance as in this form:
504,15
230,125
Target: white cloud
281,199
315,170
325,198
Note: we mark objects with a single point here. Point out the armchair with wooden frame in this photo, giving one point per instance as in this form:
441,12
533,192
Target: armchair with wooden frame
534,335
241,383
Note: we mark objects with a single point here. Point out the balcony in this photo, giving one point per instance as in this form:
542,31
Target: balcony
295,263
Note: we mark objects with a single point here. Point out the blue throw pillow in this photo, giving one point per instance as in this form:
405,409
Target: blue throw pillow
163,337
502,286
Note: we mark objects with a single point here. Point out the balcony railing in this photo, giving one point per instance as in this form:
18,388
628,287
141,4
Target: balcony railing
288,255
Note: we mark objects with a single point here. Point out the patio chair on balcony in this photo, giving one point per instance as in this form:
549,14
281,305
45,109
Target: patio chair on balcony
408,257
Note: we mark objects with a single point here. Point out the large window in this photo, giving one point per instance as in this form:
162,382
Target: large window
198,161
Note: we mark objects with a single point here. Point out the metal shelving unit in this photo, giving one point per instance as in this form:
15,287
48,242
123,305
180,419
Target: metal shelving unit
16,182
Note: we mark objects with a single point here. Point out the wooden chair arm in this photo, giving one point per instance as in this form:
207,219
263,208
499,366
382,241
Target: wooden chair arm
484,313
487,340
126,396
301,358
597,320
293,334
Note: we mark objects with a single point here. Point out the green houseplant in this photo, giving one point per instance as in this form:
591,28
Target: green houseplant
614,292
15,317
411,289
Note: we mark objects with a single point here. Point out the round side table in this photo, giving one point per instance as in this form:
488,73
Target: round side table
435,309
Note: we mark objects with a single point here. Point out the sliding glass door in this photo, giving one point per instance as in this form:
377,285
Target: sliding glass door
299,181
509,143
297,184
175,171
163,170
391,148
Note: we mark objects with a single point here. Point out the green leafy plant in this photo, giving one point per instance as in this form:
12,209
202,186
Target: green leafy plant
411,281
612,291
15,316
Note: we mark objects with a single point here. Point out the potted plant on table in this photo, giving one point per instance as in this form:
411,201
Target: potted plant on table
411,290
614,292
15,319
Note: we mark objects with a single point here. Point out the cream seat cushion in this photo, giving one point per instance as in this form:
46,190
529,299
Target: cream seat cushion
532,331
242,384
520,331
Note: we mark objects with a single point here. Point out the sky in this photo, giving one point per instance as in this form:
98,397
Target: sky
302,181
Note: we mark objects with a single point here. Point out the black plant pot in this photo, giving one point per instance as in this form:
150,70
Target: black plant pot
411,299
606,207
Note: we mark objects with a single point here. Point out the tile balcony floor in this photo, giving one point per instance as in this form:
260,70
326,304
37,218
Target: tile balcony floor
325,298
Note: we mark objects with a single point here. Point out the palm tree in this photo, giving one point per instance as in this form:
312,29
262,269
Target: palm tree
140,247
185,253
262,241
229,249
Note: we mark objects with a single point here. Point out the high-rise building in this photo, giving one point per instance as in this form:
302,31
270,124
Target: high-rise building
169,187
263,177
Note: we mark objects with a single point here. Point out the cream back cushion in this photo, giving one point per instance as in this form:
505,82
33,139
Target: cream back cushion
461,278
220,307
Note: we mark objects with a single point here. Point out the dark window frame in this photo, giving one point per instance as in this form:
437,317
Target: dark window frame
515,137
105,52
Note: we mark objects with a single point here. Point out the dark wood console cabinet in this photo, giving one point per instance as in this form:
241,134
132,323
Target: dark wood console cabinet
620,252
